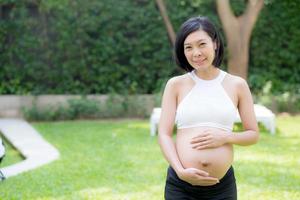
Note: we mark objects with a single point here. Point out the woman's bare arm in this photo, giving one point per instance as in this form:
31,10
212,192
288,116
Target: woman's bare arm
166,124
246,110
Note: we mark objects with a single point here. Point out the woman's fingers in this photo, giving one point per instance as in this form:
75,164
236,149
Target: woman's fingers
201,144
202,173
205,176
205,181
200,136
204,147
199,139
200,177
210,179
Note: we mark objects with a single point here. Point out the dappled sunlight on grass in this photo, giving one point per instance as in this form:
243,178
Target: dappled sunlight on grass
140,125
288,127
105,193
270,169
148,193
265,192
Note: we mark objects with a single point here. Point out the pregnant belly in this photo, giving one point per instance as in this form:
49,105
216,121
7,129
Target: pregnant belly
215,161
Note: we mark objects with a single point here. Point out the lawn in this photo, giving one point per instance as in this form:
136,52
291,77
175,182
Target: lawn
118,160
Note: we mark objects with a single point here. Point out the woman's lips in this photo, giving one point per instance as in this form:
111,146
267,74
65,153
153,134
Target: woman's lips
199,62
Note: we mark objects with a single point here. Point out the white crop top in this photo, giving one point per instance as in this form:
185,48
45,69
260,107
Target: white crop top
207,104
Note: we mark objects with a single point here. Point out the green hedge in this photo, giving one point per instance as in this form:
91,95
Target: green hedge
89,47
275,48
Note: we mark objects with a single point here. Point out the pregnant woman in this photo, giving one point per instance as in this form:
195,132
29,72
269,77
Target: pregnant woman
203,103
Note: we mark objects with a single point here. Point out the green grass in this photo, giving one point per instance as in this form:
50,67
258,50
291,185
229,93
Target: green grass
270,169
114,160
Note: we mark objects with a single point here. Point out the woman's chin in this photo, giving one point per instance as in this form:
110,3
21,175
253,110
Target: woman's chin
201,67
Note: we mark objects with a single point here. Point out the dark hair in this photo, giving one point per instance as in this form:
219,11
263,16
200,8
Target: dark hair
191,25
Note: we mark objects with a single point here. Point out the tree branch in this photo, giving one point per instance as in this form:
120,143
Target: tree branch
167,21
226,15
250,16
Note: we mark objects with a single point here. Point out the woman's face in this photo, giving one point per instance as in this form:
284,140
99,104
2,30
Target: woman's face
199,50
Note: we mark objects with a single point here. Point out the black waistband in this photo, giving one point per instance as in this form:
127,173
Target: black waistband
177,189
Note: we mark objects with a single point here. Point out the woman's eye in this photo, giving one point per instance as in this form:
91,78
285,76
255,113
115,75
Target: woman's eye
202,44
188,48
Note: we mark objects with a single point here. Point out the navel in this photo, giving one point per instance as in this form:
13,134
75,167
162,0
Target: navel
204,163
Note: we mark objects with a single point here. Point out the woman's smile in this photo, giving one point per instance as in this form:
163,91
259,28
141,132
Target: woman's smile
199,61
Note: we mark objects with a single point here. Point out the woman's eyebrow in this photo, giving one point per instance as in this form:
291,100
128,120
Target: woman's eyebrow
194,42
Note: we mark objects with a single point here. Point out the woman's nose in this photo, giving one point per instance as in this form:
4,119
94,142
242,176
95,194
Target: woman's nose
197,52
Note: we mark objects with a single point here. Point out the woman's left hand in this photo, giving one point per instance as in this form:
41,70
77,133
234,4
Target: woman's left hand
209,139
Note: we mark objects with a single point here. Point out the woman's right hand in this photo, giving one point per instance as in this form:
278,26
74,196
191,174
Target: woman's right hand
197,177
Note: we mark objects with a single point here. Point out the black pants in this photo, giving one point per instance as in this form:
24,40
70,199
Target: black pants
177,189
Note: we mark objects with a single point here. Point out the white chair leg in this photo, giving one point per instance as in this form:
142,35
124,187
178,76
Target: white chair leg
153,125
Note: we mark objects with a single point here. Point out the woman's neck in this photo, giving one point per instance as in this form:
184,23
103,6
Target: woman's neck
207,74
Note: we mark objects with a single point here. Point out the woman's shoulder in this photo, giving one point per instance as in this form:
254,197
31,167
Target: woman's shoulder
178,80
238,84
236,80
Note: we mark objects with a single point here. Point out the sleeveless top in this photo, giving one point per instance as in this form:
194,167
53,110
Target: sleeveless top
207,104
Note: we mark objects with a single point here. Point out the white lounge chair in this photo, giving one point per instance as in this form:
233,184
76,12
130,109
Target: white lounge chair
2,149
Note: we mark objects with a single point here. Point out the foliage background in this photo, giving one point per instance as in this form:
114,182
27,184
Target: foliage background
112,46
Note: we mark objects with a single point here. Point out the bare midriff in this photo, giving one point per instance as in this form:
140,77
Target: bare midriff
215,161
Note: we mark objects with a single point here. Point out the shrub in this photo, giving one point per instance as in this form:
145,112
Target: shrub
115,106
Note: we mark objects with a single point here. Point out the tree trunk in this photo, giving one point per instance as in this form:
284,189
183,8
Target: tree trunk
168,24
238,32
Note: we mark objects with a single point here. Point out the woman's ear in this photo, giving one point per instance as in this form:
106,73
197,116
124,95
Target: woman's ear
215,45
